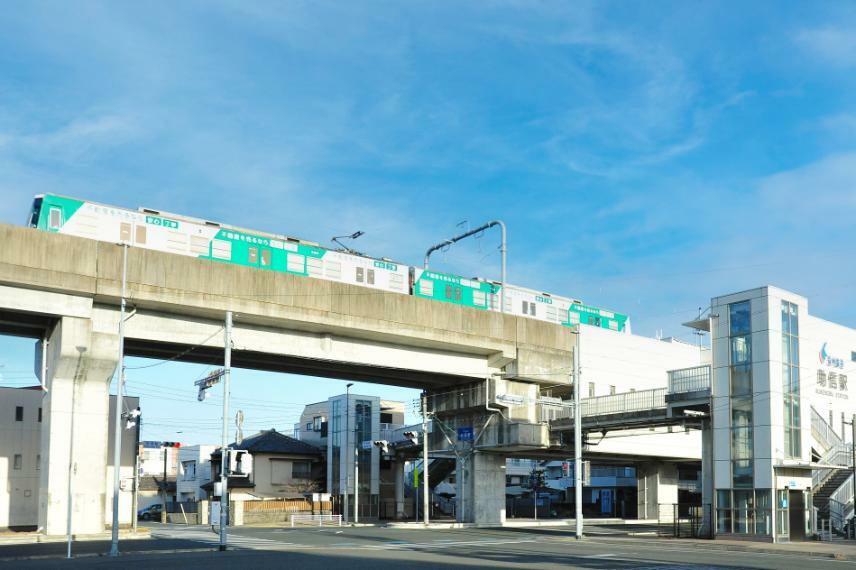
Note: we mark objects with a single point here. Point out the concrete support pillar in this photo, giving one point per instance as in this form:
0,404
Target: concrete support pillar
657,484
399,489
74,427
486,488
463,490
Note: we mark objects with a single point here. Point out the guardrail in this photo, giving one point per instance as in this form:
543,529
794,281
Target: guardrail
823,431
625,402
320,519
840,454
694,379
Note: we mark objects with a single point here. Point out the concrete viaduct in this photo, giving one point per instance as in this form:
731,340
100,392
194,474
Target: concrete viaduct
67,289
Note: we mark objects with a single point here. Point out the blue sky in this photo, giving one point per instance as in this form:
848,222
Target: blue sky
646,156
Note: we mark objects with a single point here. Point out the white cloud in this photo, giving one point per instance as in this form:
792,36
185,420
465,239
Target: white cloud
834,45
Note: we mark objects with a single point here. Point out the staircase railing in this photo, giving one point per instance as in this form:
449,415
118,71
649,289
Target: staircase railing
840,454
822,431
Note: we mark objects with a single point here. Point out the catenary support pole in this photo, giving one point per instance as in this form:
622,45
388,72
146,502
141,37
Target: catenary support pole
578,440
425,487
224,455
117,409
503,250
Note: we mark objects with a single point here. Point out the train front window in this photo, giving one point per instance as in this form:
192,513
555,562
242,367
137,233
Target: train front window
34,215
54,218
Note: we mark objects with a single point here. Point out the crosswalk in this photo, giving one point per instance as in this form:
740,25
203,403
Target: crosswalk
209,538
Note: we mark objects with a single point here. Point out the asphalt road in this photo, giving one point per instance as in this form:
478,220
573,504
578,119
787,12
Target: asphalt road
370,547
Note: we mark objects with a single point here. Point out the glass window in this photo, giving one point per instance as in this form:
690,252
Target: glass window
265,258
591,390
457,293
301,469
741,350
360,274
370,276
612,390
54,219
741,472
19,413
140,234
38,462
449,292
316,423
741,380
532,309
253,255
124,231
40,415
18,462
740,318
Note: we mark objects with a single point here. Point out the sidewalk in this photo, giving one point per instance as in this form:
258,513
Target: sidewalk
14,538
838,550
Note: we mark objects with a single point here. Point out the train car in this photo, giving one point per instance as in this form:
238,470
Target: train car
535,304
473,293
172,233
579,313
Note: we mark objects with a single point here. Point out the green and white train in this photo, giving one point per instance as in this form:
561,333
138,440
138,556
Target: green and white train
182,235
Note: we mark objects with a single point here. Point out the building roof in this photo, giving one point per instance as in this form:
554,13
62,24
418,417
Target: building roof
272,441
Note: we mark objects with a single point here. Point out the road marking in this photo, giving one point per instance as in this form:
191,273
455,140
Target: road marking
608,555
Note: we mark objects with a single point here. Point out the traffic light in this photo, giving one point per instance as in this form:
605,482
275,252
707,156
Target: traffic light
171,444
240,463
566,468
412,436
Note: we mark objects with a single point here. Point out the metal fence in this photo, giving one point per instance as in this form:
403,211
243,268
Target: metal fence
684,520
694,379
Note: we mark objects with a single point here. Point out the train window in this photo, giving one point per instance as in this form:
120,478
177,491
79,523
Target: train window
253,255
296,263
370,276
448,291
221,249
479,298
360,274
265,258
532,309
140,234
457,293
124,231
426,288
55,219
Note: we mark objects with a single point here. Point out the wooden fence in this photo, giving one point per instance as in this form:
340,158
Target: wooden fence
287,506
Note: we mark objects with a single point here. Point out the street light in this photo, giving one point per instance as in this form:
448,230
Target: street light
354,235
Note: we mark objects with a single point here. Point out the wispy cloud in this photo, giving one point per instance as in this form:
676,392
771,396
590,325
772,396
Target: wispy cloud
831,45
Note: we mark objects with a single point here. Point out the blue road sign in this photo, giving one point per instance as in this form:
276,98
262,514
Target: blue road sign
465,434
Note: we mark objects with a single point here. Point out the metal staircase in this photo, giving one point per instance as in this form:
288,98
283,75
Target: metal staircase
832,488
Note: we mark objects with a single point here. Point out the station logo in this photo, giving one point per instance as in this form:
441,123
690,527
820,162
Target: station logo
827,360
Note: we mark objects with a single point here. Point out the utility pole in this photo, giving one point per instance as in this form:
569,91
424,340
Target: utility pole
853,461
136,489
578,440
425,491
345,446
117,410
356,476
224,452
163,486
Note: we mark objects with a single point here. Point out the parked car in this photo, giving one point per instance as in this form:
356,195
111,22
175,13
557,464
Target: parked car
152,512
